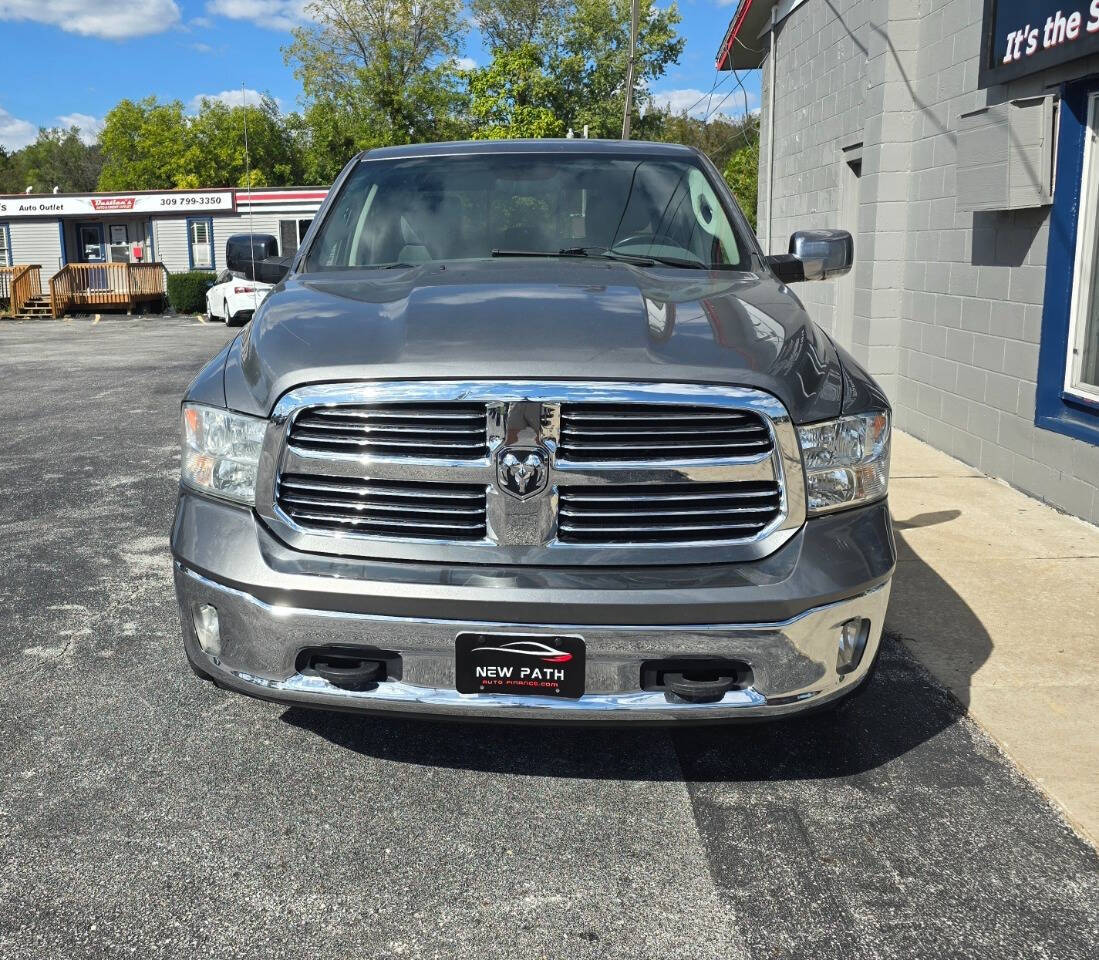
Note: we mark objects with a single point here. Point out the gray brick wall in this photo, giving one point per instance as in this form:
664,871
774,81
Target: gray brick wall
947,304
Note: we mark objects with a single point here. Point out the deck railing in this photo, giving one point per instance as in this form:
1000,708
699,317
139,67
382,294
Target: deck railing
106,285
18,284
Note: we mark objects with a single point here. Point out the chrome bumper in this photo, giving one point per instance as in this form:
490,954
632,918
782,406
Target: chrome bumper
793,662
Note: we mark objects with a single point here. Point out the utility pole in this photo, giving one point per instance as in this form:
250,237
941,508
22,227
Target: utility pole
635,15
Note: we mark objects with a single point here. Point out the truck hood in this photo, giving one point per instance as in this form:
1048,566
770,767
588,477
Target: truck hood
543,319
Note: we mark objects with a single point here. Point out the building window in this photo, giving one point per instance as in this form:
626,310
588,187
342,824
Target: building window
1067,394
1082,362
291,233
5,246
200,243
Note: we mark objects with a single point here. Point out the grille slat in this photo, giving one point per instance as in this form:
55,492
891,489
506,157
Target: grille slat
366,488
371,505
365,429
634,496
652,432
383,413
392,508
437,431
661,513
672,513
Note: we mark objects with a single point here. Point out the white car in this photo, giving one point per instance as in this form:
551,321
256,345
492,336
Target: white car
233,298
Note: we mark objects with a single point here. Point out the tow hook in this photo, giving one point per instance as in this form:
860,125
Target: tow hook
700,680
350,669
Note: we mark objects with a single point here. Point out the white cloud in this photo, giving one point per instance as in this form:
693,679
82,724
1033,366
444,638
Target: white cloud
96,18
466,63
273,14
89,125
15,133
231,98
698,103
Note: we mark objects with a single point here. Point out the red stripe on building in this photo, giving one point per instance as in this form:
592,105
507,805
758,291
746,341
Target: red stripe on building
279,197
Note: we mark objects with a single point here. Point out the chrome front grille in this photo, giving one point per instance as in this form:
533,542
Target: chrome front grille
666,513
393,508
652,432
452,431
532,472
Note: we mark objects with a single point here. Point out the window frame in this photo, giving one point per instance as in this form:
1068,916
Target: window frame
5,234
1057,408
299,233
209,221
1085,285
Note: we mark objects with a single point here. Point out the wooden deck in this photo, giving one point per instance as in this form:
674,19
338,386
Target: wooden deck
108,286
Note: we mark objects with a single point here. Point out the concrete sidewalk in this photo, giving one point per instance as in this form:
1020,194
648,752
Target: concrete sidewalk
998,595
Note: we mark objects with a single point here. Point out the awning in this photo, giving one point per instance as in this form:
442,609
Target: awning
742,47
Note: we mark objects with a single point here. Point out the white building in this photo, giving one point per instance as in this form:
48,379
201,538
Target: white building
182,229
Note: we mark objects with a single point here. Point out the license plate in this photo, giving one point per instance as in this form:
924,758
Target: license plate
520,664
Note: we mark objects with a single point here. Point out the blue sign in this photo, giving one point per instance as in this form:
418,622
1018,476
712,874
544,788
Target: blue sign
1021,37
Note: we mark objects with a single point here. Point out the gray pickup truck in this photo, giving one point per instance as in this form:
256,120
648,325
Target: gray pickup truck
535,430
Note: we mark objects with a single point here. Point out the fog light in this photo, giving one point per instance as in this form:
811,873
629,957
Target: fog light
852,644
208,629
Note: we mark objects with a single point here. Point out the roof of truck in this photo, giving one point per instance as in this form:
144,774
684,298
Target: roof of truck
543,146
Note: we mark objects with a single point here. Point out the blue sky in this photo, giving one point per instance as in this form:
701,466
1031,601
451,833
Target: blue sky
69,61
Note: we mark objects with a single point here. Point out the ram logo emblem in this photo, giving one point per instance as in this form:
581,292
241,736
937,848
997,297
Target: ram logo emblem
522,473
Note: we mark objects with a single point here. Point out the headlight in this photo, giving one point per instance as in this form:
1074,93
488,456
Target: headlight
846,461
221,452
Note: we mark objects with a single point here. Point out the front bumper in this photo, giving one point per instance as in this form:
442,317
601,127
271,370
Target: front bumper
780,615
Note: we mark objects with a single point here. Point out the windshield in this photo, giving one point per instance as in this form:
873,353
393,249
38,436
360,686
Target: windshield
479,206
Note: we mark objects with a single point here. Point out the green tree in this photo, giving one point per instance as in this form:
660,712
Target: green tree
387,69
507,25
573,68
142,143
57,158
591,63
719,137
511,97
742,175
215,155
8,172
329,134
148,145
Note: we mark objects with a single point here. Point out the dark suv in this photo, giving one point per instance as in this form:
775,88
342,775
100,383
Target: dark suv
534,429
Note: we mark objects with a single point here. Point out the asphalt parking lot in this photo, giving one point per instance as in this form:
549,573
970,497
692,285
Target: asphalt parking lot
144,813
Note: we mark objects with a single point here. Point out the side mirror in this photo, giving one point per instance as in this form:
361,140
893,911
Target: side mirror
272,270
242,250
815,255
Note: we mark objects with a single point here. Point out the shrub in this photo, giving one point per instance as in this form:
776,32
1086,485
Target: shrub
187,291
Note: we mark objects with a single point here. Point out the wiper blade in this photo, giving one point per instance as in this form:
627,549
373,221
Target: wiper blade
539,253
640,259
637,259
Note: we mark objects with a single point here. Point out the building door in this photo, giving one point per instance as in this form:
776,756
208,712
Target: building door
843,325
89,241
92,249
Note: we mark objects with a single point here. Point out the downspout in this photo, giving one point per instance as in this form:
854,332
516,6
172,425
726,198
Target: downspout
771,128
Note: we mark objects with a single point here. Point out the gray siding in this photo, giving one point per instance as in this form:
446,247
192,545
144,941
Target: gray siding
170,243
947,303
171,234
36,241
